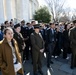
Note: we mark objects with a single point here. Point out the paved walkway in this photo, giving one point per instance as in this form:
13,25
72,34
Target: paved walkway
60,67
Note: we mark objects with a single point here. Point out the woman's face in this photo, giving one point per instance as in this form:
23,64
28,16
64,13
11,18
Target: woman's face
9,34
68,26
37,30
18,29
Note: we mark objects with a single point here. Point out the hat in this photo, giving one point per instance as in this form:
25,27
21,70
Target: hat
74,21
36,26
17,25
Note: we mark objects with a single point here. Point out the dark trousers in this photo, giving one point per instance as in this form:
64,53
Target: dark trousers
65,52
37,57
56,51
66,49
60,42
73,58
51,47
26,51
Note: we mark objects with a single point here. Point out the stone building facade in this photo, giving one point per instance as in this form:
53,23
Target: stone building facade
17,9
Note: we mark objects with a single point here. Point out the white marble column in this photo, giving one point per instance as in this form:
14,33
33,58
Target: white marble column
33,6
8,9
30,9
25,9
18,10
22,9
1,11
13,10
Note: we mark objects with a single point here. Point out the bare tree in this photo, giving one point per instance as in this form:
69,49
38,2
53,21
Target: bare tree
66,14
74,14
64,18
56,7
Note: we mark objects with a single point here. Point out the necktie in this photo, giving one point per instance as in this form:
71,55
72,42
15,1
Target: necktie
53,31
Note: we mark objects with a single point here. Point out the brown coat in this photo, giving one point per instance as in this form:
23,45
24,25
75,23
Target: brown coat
6,58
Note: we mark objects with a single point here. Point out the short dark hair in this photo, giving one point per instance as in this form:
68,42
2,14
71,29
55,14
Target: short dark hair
10,22
5,22
51,24
74,21
11,19
2,28
32,21
27,23
17,25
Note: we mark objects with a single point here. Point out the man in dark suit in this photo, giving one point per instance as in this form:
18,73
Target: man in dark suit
25,34
51,40
43,32
37,50
73,44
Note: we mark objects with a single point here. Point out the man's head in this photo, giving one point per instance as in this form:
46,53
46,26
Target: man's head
28,24
23,22
37,28
7,24
52,25
74,22
33,23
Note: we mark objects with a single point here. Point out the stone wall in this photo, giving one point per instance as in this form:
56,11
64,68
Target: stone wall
17,9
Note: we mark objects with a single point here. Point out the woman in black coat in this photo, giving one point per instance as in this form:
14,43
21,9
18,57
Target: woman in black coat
66,41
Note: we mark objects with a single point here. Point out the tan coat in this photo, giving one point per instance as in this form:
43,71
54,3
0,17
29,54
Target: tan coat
6,58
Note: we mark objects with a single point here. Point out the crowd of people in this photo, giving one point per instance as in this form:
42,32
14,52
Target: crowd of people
24,41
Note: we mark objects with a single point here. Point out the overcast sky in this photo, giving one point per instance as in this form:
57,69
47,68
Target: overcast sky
69,3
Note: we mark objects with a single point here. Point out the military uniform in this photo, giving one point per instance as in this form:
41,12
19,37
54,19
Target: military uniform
73,46
37,44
